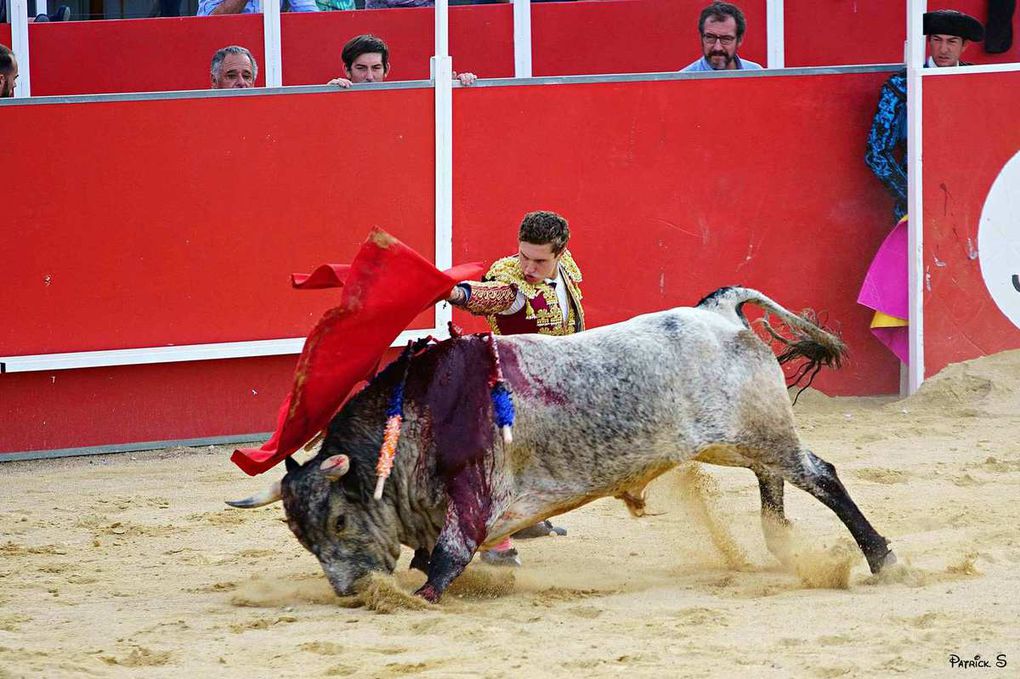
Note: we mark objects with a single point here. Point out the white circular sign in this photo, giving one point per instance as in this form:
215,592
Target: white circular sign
999,240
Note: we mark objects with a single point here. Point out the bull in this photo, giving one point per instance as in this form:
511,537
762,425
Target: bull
599,414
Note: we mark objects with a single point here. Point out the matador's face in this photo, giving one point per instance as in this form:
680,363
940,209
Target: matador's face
946,50
538,262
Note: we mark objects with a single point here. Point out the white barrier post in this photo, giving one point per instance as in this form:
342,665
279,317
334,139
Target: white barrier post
776,34
271,31
915,163
40,7
442,78
522,38
17,12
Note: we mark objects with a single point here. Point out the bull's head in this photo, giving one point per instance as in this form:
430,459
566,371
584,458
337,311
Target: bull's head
331,512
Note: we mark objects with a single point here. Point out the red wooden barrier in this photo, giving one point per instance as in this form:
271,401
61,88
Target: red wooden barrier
841,32
182,222
135,55
569,38
180,230
971,244
481,41
673,190
630,36
618,36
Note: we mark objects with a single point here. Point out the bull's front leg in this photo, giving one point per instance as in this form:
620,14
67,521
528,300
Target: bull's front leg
451,555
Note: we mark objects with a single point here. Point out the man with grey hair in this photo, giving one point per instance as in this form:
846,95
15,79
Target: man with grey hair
233,66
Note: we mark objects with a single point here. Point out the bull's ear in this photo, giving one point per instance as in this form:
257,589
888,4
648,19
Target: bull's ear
334,467
291,464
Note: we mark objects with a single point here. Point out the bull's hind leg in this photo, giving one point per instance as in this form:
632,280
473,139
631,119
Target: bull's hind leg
774,524
816,476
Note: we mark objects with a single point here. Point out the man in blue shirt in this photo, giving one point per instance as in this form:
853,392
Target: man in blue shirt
721,26
208,7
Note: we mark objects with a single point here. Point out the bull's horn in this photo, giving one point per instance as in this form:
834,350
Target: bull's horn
266,497
291,464
334,467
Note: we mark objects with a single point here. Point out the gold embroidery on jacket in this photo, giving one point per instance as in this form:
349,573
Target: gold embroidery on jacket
490,298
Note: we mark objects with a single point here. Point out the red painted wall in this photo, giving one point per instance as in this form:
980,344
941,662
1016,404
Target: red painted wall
669,201
481,41
176,231
181,223
629,36
172,401
961,320
841,32
135,55
618,36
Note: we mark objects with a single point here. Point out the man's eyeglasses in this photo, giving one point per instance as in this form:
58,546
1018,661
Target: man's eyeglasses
710,39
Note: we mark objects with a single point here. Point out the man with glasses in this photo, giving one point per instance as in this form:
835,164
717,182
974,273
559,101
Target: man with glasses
721,26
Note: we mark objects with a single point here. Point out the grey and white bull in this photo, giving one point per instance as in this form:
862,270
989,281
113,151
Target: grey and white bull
599,414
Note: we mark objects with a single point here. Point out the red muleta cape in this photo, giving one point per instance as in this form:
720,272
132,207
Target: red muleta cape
384,288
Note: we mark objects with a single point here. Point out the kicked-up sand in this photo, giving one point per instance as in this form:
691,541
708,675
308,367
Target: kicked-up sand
132,566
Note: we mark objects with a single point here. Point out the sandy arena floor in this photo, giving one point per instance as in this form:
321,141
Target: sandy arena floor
131,565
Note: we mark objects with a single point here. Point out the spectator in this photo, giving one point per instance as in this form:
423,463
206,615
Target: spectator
334,5
949,34
210,7
721,27
8,72
386,4
233,66
366,59
62,13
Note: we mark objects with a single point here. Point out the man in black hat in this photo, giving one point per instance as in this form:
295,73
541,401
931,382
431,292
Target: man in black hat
949,34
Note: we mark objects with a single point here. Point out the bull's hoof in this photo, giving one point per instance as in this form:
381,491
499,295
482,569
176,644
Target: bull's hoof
429,593
879,564
539,530
504,558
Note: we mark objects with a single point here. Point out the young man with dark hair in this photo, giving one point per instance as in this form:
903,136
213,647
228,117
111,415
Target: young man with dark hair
535,291
8,72
721,27
366,59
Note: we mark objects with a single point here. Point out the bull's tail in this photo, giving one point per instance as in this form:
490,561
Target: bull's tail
818,347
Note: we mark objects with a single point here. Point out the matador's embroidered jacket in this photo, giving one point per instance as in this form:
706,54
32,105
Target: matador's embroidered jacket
888,137
541,312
